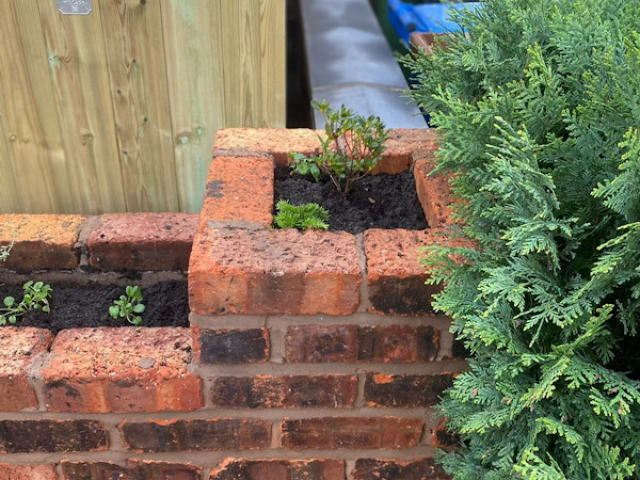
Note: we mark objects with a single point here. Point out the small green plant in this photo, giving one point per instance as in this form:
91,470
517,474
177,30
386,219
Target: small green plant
36,297
303,217
5,251
351,150
129,306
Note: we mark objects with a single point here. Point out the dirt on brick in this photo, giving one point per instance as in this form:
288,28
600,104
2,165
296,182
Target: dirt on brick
376,201
80,306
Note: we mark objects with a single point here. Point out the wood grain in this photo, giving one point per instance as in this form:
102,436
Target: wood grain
273,75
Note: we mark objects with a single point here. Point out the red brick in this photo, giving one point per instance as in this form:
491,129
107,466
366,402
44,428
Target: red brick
434,194
20,348
133,470
322,343
377,469
240,469
405,391
26,436
41,242
239,193
230,347
402,146
264,272
443,438
276,142
293,391
100,370
349,432
142,241
27,472
352,344
196,434
394,273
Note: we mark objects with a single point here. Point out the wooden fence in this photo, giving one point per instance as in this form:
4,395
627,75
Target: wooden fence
116,110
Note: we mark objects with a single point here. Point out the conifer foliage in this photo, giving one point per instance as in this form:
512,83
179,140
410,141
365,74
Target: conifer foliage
539,109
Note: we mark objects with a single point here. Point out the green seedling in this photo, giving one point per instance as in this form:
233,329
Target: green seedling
302,217
36,297
351,150
129,306
5,251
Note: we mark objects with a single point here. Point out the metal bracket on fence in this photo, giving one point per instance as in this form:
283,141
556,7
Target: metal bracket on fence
74,7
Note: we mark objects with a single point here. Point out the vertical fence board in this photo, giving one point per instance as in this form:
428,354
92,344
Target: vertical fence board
26,146
242,62
273,76
135,53
192,49
75,48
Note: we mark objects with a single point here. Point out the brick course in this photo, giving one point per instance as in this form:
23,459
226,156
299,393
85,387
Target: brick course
40,242
20,348
351,432
142,241
100,370
133,470
231,347
405,391
26,436
240,469
197,434
375,469
293,391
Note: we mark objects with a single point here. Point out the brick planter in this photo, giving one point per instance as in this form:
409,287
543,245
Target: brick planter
311,355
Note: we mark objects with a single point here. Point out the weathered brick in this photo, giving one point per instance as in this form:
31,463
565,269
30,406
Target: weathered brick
377,469
240,469
276,142
443,438
27,472
197,434
133,470
20,348
40,242
350,432
351,344
239,193
142,241
406,391
434,193
231,347
293,391
395,276
100,370
26,436
263,272
322,343
398,344
402,146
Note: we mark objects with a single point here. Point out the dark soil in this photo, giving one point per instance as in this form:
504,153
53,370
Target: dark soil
376,201
72,306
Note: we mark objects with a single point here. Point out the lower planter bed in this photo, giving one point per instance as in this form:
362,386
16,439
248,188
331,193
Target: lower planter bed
311,355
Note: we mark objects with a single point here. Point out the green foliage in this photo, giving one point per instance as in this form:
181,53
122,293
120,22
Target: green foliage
539,109
352,148
5,251
303,217
36,297
129,306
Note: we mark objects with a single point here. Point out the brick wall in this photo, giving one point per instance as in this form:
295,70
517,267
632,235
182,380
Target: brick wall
312,356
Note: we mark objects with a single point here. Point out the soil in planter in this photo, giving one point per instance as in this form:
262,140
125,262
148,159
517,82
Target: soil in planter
376,201
74,306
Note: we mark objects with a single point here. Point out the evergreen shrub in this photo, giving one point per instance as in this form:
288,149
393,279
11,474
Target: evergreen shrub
539,109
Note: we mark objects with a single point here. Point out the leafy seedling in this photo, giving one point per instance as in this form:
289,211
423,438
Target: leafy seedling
36,297
129,306
302,217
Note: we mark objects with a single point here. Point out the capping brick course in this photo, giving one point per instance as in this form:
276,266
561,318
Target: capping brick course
434,193
142,241
351,432
40,242
197,434
240,469
100,370
20,349
283,272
